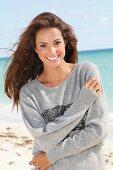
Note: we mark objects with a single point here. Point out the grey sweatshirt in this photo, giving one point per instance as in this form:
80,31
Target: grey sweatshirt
67,121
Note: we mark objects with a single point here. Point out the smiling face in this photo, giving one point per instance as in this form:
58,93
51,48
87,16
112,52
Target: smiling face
50,46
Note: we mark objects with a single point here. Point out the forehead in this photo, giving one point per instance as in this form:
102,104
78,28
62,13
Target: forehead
48,34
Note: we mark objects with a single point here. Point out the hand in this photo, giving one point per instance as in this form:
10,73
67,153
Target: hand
40,161
94,85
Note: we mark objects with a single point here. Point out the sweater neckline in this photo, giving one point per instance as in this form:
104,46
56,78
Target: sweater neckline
42,86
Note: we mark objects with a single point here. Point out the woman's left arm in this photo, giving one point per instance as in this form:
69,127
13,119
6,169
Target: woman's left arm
93,133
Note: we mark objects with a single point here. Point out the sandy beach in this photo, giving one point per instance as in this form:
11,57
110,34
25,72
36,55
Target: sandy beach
16,147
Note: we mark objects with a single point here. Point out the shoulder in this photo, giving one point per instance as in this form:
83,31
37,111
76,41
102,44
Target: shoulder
88,67
27,89
88,70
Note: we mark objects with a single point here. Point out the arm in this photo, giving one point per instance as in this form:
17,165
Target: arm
36,148
80,140
47,140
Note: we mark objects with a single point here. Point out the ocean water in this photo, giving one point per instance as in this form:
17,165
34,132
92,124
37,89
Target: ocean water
102,58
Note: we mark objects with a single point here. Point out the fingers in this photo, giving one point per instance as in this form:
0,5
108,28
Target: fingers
31,162
34,163
97,87
91,82
88,83
94,85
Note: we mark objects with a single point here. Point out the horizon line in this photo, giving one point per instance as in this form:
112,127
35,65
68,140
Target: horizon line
81,51
98,49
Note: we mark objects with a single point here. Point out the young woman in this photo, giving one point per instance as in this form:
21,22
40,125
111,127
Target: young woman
63,103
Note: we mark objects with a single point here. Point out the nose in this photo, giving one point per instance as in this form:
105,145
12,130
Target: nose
52,50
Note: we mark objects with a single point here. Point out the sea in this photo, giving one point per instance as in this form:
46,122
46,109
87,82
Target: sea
103,58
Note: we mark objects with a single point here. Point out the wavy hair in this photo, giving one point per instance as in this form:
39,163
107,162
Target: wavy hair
25,64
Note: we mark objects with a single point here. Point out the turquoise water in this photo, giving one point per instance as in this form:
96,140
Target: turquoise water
102,58
3,97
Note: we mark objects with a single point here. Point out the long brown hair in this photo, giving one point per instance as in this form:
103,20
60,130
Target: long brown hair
25,64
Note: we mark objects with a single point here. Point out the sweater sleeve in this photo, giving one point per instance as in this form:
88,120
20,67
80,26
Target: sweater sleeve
80,140
49,135
94,131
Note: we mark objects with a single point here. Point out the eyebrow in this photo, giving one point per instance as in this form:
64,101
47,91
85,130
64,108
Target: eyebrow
53,41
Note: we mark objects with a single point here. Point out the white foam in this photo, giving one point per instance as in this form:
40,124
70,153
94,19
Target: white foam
110,119
110,115
6,113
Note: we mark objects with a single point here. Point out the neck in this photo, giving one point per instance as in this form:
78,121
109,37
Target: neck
58,73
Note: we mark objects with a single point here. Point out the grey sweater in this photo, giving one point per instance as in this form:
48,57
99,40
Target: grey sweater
67,121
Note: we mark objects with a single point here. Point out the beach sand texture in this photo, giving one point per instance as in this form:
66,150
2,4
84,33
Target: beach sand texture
16,147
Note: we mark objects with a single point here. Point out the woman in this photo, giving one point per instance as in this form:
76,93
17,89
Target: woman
62,101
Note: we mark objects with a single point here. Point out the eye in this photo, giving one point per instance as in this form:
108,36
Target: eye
57,42
43,46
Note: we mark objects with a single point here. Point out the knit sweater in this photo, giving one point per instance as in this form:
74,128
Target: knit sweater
67,121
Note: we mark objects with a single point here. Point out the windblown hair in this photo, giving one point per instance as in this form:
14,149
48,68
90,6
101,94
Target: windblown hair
25,64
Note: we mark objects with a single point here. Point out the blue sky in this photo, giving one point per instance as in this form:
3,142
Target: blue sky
92,20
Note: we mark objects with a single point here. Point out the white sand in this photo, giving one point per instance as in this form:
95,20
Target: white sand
16,147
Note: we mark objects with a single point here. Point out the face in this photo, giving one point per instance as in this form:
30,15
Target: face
50,47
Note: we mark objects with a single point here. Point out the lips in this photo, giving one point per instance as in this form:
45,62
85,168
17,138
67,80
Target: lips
52,58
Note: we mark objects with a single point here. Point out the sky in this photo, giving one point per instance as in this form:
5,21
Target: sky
91,20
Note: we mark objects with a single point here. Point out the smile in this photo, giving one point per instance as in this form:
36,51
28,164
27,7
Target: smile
52,58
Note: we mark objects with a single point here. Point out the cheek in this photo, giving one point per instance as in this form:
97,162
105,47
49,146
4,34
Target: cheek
61,51
41,54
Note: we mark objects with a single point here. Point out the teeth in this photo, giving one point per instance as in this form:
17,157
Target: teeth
53,58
